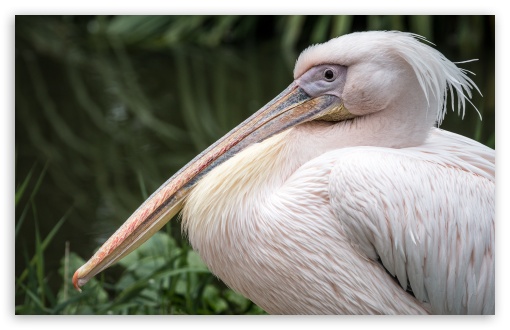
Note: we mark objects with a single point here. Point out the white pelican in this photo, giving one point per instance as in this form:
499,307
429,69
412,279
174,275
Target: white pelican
340,196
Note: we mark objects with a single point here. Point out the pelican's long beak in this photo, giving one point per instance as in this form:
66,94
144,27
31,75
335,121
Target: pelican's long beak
292,107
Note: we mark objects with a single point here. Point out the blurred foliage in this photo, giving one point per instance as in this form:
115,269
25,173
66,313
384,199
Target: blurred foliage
114,105
54,35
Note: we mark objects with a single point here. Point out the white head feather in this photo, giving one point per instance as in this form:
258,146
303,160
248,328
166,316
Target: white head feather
435,73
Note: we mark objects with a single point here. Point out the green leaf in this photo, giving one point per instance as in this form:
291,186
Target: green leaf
212,297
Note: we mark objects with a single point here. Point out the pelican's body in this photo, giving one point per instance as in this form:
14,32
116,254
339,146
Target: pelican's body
317,219
340,194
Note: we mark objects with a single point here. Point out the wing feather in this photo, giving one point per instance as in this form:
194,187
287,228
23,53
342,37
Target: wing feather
427,212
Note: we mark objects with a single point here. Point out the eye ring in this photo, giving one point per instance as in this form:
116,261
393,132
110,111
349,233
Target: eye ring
329,74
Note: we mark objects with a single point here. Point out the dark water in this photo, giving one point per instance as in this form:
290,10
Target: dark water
110,125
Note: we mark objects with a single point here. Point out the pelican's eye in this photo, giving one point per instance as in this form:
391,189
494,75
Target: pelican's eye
329,75
323,79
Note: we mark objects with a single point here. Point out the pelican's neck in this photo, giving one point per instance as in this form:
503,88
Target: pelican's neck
265,166
252,174
397,127
260,166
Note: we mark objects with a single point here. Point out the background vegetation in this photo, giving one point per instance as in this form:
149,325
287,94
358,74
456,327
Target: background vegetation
109,107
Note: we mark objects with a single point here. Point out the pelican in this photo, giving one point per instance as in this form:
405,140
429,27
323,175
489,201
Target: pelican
341,195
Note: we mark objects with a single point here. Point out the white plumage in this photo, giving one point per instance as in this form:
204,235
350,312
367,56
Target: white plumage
425,211
280,235
347,199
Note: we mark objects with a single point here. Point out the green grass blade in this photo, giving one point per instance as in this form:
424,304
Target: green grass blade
45,243
34,298
21,189
39,259
20,221
39,181
141,183
32,195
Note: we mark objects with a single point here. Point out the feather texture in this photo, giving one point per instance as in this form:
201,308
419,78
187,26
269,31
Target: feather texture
430,217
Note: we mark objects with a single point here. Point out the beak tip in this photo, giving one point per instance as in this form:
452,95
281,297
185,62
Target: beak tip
76,281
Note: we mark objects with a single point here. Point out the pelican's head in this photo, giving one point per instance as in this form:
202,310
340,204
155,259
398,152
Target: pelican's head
352,77
381,69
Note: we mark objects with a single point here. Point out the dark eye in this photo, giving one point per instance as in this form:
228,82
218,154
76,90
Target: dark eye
329,75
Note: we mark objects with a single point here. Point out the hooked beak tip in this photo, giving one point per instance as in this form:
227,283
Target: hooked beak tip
76,281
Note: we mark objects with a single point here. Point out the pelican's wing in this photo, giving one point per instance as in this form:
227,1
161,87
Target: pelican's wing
427,213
